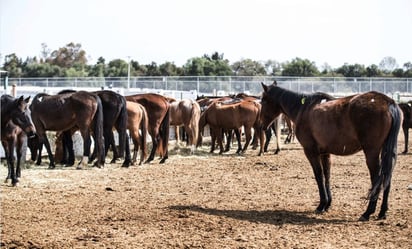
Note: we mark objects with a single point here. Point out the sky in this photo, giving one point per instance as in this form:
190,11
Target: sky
324,31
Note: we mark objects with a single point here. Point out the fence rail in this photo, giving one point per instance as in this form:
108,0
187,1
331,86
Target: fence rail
222,85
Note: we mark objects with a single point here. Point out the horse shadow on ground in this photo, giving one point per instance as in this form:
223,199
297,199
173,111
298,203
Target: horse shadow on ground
273,217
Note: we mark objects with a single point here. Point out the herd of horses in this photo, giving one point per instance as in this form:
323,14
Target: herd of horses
369,122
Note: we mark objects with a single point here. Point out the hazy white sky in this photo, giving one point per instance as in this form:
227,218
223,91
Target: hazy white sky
336,32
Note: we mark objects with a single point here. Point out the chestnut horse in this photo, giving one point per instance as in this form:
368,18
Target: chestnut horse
15,123
407,122
221,116
185,113
137,122
158,111
325,125
62,112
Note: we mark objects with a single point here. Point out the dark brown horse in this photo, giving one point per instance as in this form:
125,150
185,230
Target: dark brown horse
15,122
80,110
186,113
407,122
158,111
221,116
114,117
344,126
137,123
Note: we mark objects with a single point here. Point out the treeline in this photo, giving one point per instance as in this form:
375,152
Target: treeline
71,61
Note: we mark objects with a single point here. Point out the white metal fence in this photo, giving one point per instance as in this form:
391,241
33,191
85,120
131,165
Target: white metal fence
221,85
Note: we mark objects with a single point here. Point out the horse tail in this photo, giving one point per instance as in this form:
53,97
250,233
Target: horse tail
389,150
122,124
98,130
144,124
164,134
194,121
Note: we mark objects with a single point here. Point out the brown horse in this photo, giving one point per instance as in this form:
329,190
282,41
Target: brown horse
15,124
407,122
158,111
186,113
137,121
325,126
221,116
62,112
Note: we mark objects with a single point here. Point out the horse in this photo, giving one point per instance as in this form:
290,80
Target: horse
325,125
228,116
79,110
114,116
158,110
137,120
16,122
407,122
204,102
186,113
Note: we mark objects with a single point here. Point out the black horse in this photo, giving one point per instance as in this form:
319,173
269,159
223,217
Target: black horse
15,123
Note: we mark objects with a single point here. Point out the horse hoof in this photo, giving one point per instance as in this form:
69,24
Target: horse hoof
363,218
79,167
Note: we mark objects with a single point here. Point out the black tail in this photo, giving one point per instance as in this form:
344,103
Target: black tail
122,127
389,150
164,134
98,131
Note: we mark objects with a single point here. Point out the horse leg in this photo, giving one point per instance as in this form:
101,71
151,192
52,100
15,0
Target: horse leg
406,136
154,148
238,139
213,140
110,142
268,134
19,154
248,135
277,133
228,134
127,159
326,163
372,160
68,151
220,139
10,162
46,143
315,161
86,148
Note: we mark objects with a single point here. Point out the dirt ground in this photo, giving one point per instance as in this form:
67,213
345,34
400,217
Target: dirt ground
203,201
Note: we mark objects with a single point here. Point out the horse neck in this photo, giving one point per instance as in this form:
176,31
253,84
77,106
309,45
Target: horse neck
291,103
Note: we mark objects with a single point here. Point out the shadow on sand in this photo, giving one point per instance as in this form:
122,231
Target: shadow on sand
274,217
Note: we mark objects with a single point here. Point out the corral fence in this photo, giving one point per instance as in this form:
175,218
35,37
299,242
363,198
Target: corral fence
193,86
399,89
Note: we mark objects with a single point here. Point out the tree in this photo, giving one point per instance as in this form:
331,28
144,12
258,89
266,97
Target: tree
117,68
67,56
14,65
168,69
300,67
388,64
248,67
373,71
352,70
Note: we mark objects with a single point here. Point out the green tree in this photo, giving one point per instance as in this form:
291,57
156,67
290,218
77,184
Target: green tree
300,67
117,68
13,65
248,67
354,70
69,55
373,71
168,69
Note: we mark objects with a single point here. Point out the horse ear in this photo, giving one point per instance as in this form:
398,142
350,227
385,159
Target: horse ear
20,100
274,83
27,100
265,87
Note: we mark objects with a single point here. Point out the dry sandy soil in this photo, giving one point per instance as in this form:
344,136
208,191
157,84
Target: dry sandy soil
203,201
